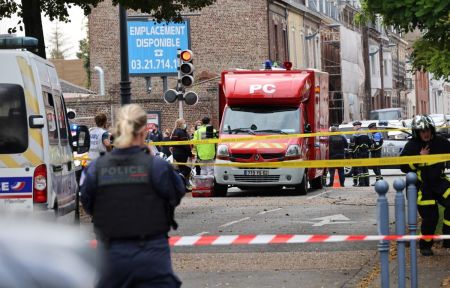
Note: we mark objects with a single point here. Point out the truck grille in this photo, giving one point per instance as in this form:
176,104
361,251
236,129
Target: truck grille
272,155
257,179
242,156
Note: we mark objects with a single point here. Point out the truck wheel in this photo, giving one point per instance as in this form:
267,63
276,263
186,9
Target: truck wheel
302,188
220,190
316,183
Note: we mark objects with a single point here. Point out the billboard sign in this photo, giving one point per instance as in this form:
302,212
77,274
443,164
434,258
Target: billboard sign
152,46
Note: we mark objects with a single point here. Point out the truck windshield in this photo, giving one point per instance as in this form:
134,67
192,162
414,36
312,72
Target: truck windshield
385,115
13,119
267,120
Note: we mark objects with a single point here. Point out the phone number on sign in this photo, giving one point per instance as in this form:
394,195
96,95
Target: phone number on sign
153,64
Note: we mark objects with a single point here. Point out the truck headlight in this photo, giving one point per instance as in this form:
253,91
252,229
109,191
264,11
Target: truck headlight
222,151
293,151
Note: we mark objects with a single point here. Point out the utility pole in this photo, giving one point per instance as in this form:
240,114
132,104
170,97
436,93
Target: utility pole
398,76
382,102
367,82
125,87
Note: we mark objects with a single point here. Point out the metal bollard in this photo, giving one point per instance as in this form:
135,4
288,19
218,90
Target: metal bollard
411,193
399,185
382,187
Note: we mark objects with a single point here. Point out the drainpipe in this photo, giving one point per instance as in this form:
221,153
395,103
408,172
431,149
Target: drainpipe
101,75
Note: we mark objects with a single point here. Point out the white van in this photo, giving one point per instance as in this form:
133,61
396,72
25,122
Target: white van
36,147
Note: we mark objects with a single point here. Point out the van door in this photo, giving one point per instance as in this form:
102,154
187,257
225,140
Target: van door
55,161
66,195
17,158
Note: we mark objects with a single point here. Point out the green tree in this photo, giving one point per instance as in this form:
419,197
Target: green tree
30,11
58,43
84,55
431,17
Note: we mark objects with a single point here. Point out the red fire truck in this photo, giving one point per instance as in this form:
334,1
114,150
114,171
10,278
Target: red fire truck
271,102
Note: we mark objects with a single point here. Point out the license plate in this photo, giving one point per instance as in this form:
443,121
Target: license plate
256,172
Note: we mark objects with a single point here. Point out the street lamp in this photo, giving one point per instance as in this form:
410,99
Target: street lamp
380,49
311,36
125,85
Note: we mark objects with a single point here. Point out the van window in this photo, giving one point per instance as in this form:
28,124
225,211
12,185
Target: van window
51,119
61,118
13,119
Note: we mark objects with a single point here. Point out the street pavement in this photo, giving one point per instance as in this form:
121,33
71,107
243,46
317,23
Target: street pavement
329,211
349,210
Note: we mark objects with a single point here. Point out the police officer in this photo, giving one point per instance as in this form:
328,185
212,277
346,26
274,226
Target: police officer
359,148
375,149
100,138
338,144
433,185
132,196
205,152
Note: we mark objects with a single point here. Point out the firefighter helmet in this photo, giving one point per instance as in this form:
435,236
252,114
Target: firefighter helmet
422,122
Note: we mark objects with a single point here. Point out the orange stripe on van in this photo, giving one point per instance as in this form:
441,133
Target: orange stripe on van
27,77
9,161
32,157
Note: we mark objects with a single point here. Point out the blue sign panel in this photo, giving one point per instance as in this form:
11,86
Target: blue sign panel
152,46
16,184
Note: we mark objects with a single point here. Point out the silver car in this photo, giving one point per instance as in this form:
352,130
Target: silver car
442,123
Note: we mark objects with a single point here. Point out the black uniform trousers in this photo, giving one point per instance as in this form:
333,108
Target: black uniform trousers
428,198
138,264
376,169
362,173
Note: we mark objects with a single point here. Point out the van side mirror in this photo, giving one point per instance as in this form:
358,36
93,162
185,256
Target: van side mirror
82,139
308,128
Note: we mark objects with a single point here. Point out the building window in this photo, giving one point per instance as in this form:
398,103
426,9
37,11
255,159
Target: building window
385,68
277,47
372,63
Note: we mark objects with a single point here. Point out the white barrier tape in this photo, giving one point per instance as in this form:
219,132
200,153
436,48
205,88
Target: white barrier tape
211,240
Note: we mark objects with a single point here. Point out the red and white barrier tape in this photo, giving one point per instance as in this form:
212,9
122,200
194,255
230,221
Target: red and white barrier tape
288,239
285,239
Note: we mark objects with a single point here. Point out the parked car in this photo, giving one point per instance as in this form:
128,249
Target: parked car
442,123
393,144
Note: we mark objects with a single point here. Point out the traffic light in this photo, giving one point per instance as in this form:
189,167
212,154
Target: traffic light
171,95
186,68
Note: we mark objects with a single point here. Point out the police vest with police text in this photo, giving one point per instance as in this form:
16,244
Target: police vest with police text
126,204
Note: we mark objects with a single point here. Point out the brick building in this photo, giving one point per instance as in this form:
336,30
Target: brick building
228,34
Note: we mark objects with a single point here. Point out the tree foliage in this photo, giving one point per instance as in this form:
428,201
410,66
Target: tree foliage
432,17
30,11
84,54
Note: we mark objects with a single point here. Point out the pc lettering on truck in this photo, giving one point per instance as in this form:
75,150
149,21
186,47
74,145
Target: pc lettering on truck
271,102
37,172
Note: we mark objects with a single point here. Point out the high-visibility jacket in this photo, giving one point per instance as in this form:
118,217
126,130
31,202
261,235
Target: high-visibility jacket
204,151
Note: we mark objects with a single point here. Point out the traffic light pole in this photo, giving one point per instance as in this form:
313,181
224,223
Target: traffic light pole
179,87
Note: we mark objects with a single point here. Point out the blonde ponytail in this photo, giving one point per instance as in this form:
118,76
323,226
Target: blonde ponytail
131,120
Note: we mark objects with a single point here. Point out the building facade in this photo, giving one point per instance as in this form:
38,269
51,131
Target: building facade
231,34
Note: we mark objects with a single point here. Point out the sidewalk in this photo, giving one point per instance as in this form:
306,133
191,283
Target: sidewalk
433,271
